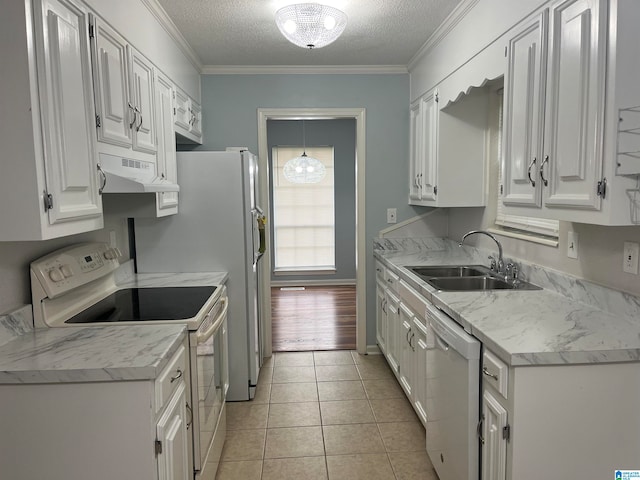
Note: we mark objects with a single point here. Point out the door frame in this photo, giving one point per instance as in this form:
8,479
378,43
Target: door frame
264,283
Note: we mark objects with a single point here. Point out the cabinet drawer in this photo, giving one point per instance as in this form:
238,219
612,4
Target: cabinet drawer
380,272
413,299
495,372
174,373
391,280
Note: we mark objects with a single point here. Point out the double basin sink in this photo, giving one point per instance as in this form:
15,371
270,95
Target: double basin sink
467,278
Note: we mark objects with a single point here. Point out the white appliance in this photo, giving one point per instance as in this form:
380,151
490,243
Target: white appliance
453,386
217,229
75,286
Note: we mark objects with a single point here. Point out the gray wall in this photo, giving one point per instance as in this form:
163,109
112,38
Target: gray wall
340,134
230,104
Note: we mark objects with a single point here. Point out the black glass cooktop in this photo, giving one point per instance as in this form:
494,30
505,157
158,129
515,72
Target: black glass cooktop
145,304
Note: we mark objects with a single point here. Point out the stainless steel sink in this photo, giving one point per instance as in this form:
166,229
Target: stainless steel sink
449,271
467,278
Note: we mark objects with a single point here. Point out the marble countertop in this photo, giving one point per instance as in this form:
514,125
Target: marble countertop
89,354
541,327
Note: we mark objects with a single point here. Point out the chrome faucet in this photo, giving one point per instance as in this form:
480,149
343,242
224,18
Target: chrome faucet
498,266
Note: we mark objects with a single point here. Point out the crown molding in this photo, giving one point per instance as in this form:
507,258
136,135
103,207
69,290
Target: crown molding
443,30
159,13
303,69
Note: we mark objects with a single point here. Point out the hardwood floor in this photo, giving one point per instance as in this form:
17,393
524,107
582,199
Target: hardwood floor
316,318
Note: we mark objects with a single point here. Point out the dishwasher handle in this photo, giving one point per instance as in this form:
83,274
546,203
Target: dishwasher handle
442,344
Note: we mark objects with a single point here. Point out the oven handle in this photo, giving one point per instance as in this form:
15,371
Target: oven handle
202,337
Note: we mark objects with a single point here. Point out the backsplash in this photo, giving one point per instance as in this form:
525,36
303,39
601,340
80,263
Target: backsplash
15,323
583,291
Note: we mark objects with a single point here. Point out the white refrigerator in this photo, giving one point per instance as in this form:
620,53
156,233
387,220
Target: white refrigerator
216,229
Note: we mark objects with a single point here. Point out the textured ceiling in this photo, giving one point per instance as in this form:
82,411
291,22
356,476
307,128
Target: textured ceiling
243,32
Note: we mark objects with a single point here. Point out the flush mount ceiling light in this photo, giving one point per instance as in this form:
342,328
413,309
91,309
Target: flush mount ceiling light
304,169
311,25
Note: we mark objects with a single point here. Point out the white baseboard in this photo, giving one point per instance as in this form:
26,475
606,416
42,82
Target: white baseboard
373,350
313,283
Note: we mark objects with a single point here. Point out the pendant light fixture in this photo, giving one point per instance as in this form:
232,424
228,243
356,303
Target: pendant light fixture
311,25
304,169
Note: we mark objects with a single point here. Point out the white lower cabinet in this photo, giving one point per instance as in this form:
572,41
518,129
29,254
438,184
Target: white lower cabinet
407,364
558,421
419,389
137,429
381,317
393,331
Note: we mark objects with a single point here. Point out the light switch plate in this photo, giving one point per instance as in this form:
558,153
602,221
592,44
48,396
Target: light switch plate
630,257
572,245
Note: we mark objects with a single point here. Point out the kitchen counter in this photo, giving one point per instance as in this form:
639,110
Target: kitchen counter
542,327
89,354
128,279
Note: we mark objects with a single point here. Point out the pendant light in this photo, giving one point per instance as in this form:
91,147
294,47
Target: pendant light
304,169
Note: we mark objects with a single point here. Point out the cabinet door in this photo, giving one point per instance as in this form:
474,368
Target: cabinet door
167,166
427,181
524,114
142,93
419,389
494,446
381,318
575,103
181,105
415,153
171,438
196,119
406,351
64,72
393,331
111,83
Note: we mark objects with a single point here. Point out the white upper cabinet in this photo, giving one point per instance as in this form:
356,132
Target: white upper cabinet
50,187
111,83
554,103
167,202
124,94
188,117
444,170
423,150
142,93
524,113
567,82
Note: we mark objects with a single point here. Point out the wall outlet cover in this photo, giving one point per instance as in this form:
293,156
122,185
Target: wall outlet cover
630,257
392,215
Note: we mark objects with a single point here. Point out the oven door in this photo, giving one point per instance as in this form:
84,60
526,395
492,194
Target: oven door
209,377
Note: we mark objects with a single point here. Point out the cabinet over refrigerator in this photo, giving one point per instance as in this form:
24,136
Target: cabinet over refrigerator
217,229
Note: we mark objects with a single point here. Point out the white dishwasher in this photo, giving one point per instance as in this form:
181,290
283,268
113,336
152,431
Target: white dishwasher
453,398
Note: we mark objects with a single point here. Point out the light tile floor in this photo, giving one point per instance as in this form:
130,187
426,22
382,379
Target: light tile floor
325,415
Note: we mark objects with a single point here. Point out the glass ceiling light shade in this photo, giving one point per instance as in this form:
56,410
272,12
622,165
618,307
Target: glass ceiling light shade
311,25
304,169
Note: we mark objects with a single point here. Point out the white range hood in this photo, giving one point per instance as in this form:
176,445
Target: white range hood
126,175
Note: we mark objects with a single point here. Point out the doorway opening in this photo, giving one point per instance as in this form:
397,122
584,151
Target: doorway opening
268,295
313,318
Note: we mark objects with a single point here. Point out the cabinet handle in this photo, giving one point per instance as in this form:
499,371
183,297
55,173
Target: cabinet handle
544,180
479,429
486,371
140,124
189,409
384,305
104,179
135,115
407,337
531,180
420,180
411,344
178,375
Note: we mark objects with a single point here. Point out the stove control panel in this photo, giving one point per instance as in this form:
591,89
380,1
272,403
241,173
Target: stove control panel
73,267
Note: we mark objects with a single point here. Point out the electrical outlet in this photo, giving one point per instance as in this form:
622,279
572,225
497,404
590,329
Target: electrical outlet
391,215
630,257
572,245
